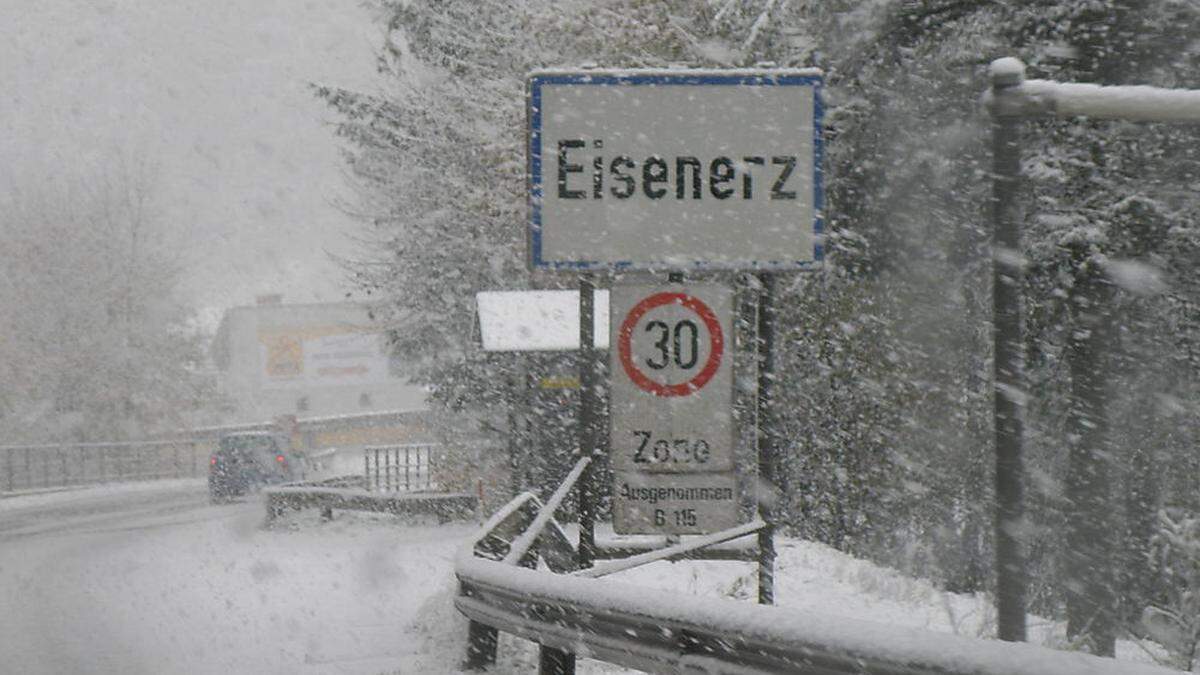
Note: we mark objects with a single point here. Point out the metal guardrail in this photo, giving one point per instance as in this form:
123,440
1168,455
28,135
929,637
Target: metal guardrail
349,493
664,632
393,468
26,467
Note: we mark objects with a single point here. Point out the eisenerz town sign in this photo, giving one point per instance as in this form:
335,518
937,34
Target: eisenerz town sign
678,172
674,169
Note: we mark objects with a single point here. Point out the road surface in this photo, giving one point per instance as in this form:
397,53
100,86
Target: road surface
151,578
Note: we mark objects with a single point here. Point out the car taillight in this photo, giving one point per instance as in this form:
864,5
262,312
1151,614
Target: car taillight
212,461
280,458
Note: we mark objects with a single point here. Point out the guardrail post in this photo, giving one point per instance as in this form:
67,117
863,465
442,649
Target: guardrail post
553,661
481,646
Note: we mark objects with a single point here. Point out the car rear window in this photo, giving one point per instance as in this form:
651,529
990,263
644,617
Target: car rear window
246,447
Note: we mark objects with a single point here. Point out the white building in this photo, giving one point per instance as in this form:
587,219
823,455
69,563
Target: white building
308,360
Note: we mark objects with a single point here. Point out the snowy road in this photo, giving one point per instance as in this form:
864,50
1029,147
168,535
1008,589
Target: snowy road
152,579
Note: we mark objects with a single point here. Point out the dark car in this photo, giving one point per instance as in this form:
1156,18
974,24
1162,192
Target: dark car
244,462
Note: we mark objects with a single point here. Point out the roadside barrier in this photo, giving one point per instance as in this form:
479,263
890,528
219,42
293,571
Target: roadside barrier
391,468
27,467
501,589
350,493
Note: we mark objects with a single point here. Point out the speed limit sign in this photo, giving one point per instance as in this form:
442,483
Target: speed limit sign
671,434
669,362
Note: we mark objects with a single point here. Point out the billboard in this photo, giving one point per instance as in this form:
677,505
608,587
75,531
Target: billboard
321,356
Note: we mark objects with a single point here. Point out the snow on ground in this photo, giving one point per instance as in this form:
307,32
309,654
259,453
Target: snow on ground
150,578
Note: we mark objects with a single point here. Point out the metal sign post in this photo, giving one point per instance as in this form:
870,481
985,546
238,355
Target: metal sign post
1007,363
768,445
589,435
1011,100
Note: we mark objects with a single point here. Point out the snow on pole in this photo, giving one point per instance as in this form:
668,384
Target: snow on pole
1136,103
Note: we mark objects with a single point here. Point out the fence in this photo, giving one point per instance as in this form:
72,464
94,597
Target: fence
24,467
394,468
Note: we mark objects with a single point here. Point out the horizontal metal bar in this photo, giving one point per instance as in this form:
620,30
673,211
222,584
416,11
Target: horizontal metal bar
718,552
660,643
625,652
401,446
680,549
1135,103
104,446
1012,96
523,543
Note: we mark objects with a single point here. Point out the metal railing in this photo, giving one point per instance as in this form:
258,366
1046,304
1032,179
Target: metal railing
395,468
567,613
26,467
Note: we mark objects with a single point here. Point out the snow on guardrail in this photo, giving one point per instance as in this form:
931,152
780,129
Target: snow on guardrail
658,631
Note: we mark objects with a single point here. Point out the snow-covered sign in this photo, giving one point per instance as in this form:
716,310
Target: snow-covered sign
675,169
519,321
671,429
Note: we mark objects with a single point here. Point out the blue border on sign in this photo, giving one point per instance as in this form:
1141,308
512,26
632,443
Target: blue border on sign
535,182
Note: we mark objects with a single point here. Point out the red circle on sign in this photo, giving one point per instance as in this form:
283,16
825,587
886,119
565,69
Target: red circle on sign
716,342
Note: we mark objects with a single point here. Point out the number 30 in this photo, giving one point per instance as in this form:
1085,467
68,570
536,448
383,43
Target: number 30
672,344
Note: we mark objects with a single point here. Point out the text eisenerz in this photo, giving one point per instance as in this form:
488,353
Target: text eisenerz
683,177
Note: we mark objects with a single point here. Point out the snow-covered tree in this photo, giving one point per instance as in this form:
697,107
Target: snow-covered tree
1108,222
96,344
1173,618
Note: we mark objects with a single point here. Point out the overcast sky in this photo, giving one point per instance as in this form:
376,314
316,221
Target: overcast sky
214,98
